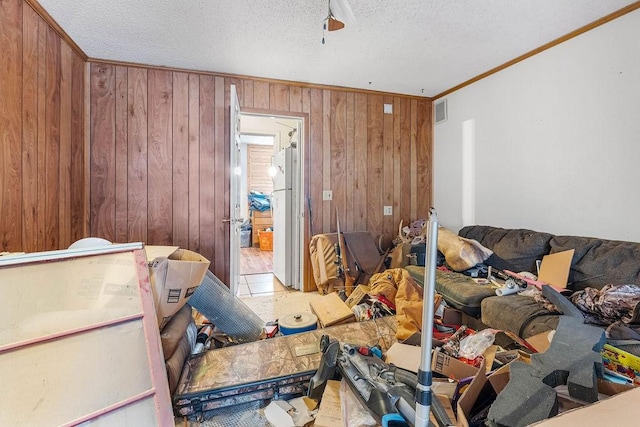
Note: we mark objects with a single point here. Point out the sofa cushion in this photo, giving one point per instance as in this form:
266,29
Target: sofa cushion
519,314
597,262
458,290
519,247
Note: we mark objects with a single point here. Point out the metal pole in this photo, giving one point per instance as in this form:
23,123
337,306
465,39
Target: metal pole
423,389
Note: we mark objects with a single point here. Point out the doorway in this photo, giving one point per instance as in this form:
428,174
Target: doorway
271,190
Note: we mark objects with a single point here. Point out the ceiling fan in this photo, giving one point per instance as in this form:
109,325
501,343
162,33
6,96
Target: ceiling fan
339,12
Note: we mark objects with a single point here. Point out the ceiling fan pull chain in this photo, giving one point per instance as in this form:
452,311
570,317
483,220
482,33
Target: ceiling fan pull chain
324,27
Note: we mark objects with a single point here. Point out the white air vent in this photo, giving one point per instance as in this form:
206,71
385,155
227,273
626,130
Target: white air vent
440,111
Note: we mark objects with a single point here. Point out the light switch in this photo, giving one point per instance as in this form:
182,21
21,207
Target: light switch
327,195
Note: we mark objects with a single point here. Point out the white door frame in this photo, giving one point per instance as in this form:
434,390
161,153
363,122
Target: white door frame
235,220
301,205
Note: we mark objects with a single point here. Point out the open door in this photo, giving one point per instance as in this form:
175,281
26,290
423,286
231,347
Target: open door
285,134
235,219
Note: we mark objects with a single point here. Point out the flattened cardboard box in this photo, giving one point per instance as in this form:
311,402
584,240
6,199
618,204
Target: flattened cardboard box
405,356
330,412
175,275
331,310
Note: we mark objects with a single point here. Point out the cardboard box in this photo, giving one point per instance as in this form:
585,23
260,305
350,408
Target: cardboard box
483,386
606,389
451,367
479,386
175,275
620,410
358,294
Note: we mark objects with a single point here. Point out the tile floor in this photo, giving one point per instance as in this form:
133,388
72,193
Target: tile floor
270,299
260,285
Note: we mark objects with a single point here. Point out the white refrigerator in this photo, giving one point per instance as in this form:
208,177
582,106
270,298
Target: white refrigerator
285,227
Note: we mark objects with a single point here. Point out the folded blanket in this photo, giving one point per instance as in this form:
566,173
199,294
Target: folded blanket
461,254
609,304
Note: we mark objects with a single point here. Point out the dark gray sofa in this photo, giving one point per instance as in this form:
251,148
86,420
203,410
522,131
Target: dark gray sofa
596,262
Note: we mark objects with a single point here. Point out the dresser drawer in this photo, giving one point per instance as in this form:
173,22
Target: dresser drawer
264,214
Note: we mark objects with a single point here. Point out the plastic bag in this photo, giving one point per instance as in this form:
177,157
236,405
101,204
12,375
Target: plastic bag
473,346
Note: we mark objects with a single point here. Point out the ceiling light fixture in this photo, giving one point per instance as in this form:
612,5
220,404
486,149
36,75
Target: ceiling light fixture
333,24
343,10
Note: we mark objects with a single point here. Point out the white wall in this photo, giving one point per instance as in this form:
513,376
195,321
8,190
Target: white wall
557,140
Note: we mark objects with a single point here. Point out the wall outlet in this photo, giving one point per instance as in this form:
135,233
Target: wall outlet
327,195
388,210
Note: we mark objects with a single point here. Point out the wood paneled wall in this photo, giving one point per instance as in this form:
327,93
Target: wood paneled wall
258,164
159,168
158,159
160,156
42,163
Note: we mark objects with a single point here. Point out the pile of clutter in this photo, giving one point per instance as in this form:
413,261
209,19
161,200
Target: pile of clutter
362,385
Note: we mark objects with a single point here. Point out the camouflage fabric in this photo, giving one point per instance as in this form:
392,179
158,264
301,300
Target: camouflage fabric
609,304
536,294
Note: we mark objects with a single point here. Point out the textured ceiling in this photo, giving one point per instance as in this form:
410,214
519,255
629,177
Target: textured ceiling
417,47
